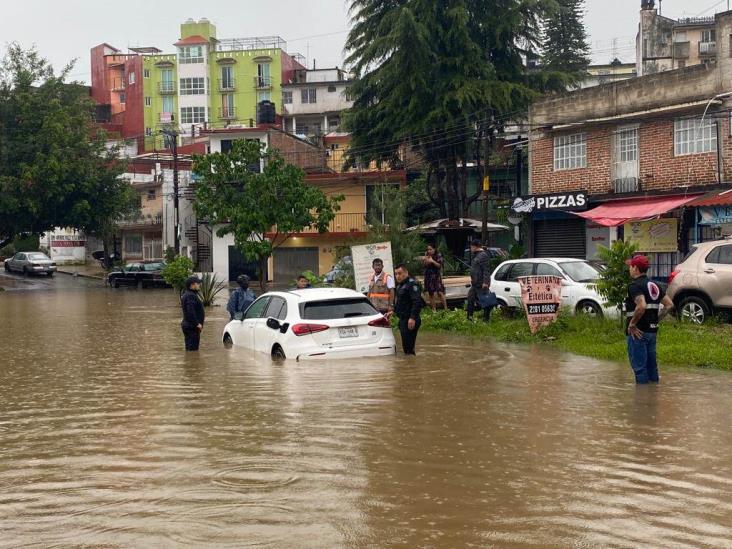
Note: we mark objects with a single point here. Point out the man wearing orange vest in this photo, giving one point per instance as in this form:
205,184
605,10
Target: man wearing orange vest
381,288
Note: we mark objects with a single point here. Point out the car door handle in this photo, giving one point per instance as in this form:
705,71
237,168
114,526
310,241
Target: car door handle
507,289
709,271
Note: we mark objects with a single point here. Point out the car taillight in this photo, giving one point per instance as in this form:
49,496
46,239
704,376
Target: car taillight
380,322
672,275
305,329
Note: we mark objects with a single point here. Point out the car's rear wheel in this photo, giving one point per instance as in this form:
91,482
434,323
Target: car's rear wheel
227,341
25,271
50,274
694,309
589,308
7,267
115,284
278,353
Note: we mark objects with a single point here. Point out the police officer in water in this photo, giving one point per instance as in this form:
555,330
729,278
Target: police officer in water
193,313
407,308
645,307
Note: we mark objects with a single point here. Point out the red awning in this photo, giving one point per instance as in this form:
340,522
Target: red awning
723,198
613,214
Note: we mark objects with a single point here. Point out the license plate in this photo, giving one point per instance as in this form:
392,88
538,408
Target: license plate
350,331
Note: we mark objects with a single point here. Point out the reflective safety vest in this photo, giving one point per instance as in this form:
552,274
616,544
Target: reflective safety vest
379,293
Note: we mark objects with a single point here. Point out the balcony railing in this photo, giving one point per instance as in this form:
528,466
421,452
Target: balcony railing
262,82
141,219
117,84
626,185
707,48
227,84
342,223
166,87
227,113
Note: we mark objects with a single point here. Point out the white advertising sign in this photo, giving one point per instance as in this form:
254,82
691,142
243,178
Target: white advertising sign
363,256
597,235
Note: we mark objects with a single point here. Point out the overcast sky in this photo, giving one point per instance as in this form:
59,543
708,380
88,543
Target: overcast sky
66,29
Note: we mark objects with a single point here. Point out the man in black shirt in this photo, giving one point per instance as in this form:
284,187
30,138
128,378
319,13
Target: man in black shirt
645,307
193,313
407,308
480,278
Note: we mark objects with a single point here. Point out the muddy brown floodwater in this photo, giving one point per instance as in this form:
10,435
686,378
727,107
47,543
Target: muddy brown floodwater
111,436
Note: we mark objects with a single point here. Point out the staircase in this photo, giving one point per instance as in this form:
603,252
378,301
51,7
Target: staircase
200,238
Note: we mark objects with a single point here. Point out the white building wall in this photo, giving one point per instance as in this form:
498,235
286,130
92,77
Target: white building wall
326,101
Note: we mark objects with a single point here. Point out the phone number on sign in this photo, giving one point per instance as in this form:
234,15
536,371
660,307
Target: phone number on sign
542,308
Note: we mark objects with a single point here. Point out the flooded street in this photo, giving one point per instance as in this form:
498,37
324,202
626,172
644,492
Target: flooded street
112,436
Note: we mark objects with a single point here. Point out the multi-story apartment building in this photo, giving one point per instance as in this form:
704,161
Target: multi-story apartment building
205,82
313,101
665,44
616,160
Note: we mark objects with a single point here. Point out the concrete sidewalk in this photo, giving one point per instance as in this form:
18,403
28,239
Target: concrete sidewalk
86,271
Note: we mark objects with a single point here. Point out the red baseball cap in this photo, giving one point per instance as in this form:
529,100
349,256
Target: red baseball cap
639,261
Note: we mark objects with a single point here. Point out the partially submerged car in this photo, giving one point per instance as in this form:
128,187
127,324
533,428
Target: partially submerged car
311,324
144,274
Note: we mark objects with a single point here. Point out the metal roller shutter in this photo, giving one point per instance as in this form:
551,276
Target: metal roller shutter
560,238
289,263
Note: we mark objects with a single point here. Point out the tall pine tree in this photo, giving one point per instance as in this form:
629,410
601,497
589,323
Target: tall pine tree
441,76
565,47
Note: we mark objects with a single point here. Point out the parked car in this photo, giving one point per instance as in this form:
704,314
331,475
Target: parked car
313,324
578,277
30,263
143,273
340,267
701,285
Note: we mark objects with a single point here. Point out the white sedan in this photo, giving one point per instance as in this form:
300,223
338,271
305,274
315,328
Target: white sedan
312,324
579,294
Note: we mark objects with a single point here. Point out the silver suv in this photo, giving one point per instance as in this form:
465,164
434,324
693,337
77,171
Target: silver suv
702,284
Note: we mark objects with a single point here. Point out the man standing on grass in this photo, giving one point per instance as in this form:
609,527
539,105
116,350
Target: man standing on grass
480,279
645,307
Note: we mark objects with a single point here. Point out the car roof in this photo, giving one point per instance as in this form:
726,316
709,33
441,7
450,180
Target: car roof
552,259
318,294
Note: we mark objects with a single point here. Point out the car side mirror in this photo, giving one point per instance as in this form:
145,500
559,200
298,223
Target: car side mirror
565,282
273,323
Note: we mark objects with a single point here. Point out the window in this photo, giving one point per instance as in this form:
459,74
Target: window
331,89
570,152
122,97
263,75
168,106
544,269
520,269
680,37
227,77
148,132
691,136
336,308
146,73
192,86
151,194
502,273
256,309
287,98
133,244
626,145
148,101
192,115
190,54
131,78
309,95
709,35
580,271
277,308
722,255
264,95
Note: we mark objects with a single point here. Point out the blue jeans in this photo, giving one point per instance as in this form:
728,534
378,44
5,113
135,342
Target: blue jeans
642,355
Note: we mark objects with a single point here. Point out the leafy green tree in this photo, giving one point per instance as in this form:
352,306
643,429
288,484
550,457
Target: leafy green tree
261,210
564,47
615,279
55,168
175,272
442,77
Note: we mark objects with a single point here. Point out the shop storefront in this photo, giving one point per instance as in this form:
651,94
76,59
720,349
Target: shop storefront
712,217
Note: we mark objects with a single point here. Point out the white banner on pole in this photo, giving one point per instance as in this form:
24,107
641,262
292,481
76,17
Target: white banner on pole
363,256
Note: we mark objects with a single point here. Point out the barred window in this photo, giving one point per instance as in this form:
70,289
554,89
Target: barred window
192,86
192,115
570,152
626,145
286,97
692,137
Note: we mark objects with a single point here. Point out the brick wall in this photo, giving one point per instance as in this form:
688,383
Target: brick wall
298,152
659,169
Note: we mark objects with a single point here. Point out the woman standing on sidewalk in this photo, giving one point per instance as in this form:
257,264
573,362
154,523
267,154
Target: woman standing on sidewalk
433,285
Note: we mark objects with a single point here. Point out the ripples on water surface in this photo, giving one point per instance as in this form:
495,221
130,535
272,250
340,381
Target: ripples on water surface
112,436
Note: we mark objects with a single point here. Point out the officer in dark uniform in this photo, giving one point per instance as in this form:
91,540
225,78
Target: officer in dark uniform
645,307
193,313
407,308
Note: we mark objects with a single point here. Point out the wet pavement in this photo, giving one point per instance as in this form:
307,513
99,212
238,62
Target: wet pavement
112,436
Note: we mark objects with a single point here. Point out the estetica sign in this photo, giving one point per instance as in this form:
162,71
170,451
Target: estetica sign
576,201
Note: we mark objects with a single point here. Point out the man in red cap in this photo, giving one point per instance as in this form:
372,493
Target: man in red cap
645,307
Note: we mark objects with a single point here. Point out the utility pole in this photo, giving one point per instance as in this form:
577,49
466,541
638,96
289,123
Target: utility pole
486,188
172,141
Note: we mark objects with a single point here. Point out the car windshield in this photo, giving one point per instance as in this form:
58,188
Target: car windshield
337,308
154,266
37,256
580,271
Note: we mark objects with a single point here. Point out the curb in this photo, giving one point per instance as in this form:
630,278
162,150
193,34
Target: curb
82,275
